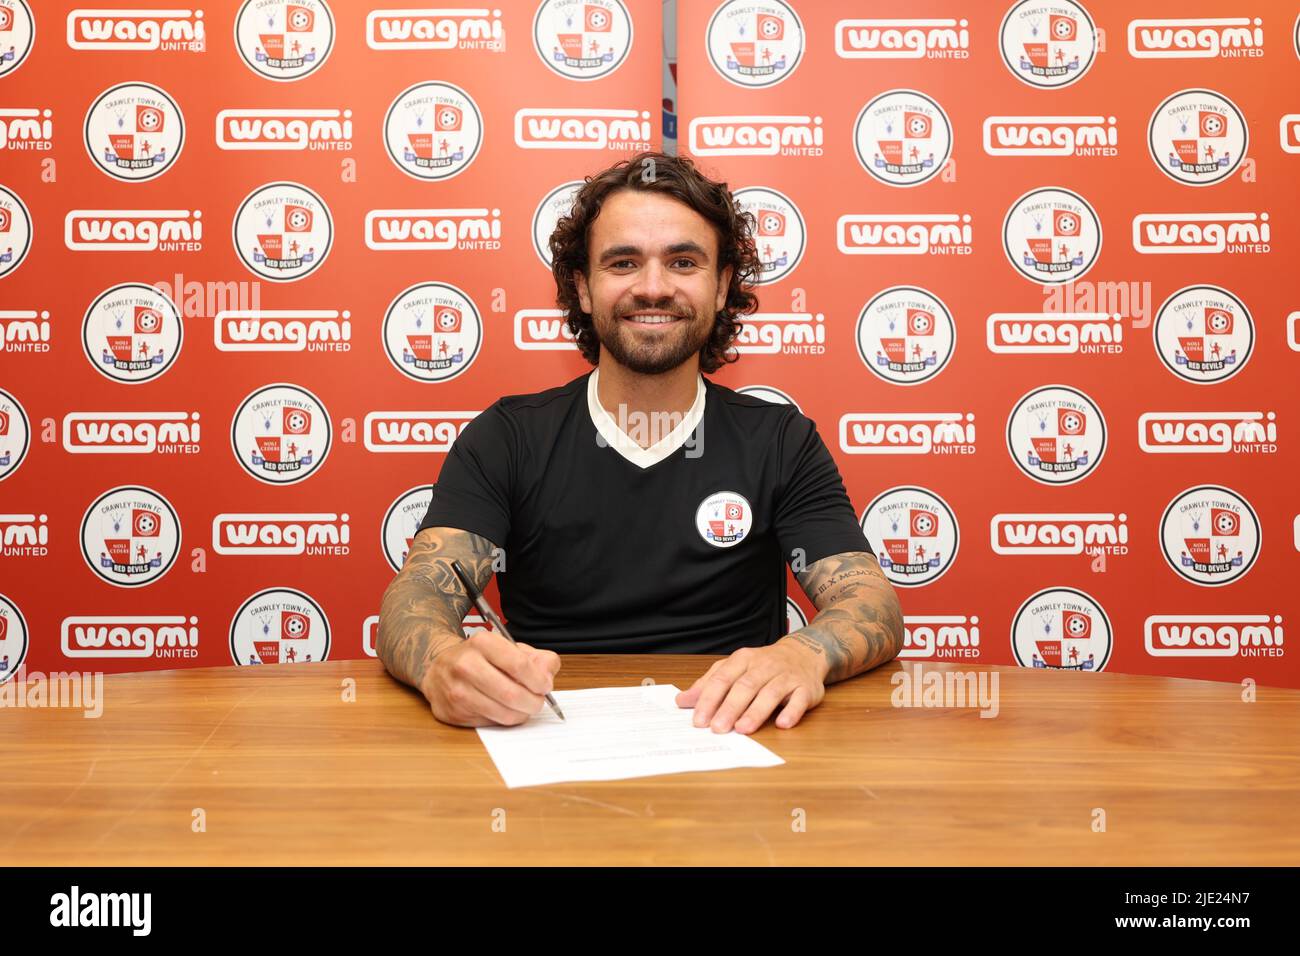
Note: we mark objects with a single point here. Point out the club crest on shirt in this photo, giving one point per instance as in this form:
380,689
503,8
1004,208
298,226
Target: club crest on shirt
724,518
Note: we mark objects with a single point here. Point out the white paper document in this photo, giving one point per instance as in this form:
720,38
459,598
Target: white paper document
612,733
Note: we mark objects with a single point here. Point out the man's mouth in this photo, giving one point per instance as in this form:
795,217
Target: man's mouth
652,318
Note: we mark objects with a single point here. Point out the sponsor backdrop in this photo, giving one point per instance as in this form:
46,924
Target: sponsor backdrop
1026,267
260,262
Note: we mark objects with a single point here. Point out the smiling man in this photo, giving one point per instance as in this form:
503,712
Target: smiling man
642,508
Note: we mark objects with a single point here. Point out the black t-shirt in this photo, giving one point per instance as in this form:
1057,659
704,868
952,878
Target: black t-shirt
611,548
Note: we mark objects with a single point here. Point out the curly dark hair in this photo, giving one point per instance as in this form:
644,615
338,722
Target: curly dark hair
679,178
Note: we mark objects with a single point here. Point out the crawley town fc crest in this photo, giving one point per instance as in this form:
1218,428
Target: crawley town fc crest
914,534
130,536
754,43
1062,629
284,39
1048,45
582,39
134,131
1198,137
279,626
724,518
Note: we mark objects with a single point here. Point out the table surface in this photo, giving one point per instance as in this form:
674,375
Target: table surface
286,771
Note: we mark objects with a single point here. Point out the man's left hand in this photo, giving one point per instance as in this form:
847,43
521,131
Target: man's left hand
741,691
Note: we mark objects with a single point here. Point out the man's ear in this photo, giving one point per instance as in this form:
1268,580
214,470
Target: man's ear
584,294
724,283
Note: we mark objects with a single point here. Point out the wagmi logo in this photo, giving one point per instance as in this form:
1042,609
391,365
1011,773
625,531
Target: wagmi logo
281,534
907,433
901,234
130,635
284,129
904,38
414,431
132,230
135,29
1195,38
22,128
140,433
1214,635
756,136
283,330
560,128
433,229
1201,232
433,29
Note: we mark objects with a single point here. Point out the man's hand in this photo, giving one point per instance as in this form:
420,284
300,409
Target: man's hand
487,680
742,691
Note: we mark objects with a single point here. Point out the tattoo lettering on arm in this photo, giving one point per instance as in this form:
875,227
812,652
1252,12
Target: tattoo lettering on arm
422,608
859,622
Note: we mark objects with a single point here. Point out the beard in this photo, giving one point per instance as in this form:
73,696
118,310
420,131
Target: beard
653,351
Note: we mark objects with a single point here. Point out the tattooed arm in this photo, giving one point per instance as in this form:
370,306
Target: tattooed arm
859,622
482,680
424,605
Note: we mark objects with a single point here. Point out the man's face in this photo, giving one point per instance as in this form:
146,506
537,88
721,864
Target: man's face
651,258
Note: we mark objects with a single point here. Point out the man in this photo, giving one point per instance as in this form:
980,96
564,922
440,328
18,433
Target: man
641,508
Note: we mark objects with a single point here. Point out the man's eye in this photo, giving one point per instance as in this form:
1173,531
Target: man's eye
689,262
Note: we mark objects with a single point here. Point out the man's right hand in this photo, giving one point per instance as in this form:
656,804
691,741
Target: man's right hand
486,680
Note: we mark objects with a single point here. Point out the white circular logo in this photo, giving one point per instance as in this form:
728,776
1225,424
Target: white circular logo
906,335
432,332
17,33
284,39
780,235
15,231
754,43
134,131
15,434
554,206
914,534
1197,137
1051,235
281,434
1204,334
902,138
1062,629
1048,44
1210,535
132,333
582,39
13,638
130,536
1056,434
279,626
433,131
402,522
724,518
282,231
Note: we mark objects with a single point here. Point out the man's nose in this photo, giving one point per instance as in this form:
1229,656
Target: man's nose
653,282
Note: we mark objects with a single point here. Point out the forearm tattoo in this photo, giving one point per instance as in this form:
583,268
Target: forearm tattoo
422,609
859,624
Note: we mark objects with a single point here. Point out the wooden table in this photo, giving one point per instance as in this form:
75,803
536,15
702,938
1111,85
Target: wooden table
287,772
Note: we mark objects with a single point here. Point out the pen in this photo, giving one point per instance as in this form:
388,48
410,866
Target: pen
486,610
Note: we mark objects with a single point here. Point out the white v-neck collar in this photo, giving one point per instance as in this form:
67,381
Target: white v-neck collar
616,438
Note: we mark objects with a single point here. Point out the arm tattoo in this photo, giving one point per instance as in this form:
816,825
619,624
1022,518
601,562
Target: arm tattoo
859,624
423,606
